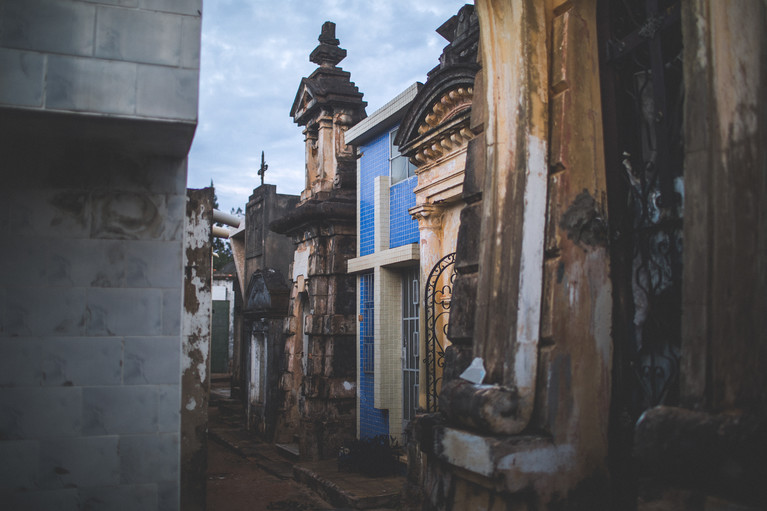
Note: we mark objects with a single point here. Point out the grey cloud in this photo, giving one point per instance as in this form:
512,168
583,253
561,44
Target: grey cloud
253,57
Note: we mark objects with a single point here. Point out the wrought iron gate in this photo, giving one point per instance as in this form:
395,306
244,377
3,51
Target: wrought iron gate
642,87
437,296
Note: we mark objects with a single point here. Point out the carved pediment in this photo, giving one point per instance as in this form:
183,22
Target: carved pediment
444,127
304,100
437,121
448,106
267,294
440,144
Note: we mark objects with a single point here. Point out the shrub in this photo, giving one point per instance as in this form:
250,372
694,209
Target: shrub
373,457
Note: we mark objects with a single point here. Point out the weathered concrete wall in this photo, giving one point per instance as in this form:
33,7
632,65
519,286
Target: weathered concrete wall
265,363
725,115
318,384
706,458
98,105
195,346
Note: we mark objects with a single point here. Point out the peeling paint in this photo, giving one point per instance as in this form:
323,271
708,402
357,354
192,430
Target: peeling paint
601,320
701,28
531,274
300,263
544,460
195,345
467,451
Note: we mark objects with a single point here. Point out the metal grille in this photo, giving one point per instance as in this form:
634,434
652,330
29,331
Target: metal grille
437,296
366,325
410,343
642,87
644,56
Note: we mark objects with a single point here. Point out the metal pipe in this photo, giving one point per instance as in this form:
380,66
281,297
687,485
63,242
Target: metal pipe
220,232
225,218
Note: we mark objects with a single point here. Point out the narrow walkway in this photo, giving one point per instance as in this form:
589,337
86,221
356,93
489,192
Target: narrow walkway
238,480
246,473
238,484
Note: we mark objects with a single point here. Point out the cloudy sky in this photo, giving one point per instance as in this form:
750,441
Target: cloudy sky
254,54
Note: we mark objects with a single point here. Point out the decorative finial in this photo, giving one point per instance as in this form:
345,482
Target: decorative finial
328,34
262,170
328,53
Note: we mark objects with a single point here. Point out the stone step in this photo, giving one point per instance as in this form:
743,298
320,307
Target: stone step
290,451
347,489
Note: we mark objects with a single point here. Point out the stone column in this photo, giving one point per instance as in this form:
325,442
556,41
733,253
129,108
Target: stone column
312,167
429,219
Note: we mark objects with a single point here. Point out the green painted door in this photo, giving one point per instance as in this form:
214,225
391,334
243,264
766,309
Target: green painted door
219,357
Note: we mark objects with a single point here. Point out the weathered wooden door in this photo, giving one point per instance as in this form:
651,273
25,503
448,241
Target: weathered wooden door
219,357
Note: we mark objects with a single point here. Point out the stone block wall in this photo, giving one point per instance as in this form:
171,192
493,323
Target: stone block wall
98,106
90,280
133,58
329,385
318,385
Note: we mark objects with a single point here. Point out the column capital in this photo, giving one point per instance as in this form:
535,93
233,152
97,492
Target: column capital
429,216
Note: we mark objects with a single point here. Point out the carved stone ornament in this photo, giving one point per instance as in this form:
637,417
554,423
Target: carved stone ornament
429,216
448,106
267,294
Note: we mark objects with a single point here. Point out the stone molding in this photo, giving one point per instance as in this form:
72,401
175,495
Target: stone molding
429,216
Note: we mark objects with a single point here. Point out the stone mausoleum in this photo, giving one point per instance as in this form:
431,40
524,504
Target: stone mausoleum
318,380
260,353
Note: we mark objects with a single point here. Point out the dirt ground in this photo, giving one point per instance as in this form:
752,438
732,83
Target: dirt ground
237,484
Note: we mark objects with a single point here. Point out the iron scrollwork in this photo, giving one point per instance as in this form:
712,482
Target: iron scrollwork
646,58
437,296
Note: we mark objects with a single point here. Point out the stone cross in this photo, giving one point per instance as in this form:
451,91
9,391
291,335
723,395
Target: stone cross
262,170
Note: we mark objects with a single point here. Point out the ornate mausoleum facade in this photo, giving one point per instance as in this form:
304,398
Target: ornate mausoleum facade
434,135
318,381
624,352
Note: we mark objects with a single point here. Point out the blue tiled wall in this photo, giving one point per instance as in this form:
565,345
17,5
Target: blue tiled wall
373,163
403,228
373,421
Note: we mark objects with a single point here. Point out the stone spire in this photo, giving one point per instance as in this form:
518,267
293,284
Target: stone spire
328,53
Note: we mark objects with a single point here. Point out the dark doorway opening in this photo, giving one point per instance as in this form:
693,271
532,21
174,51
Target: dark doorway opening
642,97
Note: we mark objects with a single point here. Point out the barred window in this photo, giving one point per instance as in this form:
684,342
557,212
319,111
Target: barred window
366,324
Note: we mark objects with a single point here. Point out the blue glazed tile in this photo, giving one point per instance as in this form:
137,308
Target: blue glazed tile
372,420
373,163
404,229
